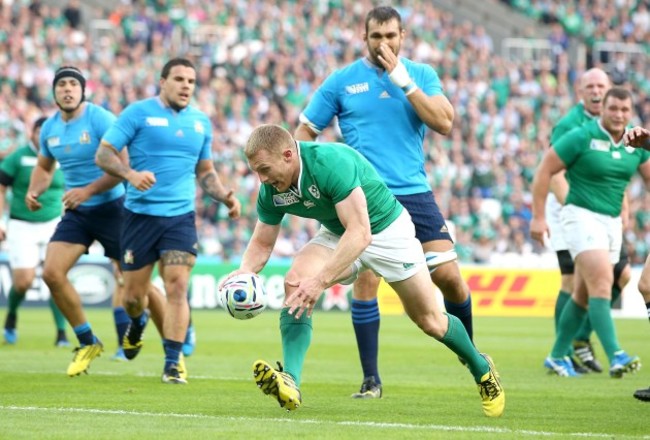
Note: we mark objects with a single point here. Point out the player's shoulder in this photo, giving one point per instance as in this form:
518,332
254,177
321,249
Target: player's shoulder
143,105
414,66
51,122
583,131
94,112
327,153
18,153
196,112
349,71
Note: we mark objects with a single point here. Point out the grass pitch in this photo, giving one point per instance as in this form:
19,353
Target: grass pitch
427,393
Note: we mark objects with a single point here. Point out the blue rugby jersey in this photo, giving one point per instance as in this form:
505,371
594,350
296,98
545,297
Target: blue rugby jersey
169,144
74,143
377,119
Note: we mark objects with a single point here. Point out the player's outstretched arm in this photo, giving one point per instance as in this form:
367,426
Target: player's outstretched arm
353,214
551,165
39,181
305,133
211,184
259,247
3,226
116,166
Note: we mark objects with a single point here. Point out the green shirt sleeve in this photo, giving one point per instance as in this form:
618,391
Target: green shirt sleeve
569,147
265,211
339,181
10,164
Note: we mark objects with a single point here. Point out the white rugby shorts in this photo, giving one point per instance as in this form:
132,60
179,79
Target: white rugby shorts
394,253
28,241
586,230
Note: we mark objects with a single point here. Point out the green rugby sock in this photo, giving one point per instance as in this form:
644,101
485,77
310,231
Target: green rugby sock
14,300
601,318
59,319
562,298
296,338
571,319
457,340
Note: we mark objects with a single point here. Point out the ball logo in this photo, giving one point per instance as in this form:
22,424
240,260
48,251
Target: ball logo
94,283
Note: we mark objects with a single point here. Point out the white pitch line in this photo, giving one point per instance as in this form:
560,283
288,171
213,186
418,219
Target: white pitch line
380,425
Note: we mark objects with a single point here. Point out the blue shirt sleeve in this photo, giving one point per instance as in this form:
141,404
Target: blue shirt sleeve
44,150
425,77
120,133
206,149
102,120
324,104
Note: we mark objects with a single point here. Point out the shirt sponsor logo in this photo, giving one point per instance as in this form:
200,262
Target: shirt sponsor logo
84,138
357,88
285,199
157,122
599,145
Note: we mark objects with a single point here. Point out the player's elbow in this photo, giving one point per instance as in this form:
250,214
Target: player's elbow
365,237
98,161
447,123
446,126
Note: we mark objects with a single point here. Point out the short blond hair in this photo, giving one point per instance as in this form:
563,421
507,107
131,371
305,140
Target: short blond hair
268,137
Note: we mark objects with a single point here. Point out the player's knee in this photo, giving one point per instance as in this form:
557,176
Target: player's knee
621,279
430,325
291,280
53,277
176,291
644,287
452,286
22,284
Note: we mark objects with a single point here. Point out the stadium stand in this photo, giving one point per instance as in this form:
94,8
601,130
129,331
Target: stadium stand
259,61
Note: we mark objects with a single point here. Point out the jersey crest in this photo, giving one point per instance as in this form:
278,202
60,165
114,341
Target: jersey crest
84,138
313,190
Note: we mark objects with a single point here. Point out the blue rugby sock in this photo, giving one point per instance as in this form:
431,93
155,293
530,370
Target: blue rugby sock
85,334
172,352
122,320
366,319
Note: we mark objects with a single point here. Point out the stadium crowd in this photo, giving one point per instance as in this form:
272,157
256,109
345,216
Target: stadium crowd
258,62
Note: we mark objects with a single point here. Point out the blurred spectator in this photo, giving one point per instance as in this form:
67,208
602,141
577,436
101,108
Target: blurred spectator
259,61
72,13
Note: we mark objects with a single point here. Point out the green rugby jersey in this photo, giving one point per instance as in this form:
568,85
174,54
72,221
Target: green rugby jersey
328,174
576,116
599,169
15,171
